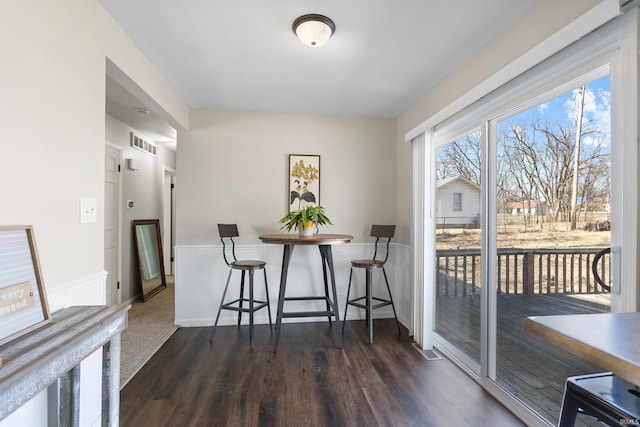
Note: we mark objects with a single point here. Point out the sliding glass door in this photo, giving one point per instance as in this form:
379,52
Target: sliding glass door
458,257
530,210
552,222
522,228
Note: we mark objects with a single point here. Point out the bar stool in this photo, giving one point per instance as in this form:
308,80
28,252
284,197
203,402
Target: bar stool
606,397
379,232
227,233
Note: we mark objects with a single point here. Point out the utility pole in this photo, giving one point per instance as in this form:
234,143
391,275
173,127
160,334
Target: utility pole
576,162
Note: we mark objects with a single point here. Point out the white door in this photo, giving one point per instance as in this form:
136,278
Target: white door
111,223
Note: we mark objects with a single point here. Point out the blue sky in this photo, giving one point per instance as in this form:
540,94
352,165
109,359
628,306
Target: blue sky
597,108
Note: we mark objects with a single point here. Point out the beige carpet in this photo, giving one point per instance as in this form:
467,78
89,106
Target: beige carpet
151,323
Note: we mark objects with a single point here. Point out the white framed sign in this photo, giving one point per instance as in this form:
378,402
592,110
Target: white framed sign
23,302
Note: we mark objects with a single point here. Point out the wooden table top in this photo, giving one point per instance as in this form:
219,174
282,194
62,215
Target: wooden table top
609,340
316,239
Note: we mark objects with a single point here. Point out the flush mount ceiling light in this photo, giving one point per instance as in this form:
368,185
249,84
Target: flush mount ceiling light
141,110
313,29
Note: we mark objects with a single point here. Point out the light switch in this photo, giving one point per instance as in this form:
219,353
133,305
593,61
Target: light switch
88,210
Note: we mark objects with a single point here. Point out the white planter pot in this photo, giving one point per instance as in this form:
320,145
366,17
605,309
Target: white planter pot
305,232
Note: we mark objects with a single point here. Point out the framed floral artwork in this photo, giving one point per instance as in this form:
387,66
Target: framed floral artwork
304,180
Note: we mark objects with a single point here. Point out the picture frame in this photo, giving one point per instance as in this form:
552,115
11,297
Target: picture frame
304,181
23,300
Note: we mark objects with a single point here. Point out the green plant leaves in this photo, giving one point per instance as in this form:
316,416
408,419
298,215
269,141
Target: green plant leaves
314,214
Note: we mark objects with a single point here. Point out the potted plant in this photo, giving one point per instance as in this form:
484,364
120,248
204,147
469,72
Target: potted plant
305,219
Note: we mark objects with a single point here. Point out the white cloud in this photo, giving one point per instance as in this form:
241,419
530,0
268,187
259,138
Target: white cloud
543,107
597,110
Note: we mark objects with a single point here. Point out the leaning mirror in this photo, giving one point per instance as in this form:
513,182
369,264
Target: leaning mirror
146,236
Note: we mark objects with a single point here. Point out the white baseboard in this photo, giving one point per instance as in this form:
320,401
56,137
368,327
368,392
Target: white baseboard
132,299
88,290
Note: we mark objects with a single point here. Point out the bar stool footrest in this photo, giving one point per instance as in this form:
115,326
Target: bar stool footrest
383,303
308,314
257,305
318,298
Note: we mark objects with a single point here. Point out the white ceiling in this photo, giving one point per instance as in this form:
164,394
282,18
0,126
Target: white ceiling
122,105
243,55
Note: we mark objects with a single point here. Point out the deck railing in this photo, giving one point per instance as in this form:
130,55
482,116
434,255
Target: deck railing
523,271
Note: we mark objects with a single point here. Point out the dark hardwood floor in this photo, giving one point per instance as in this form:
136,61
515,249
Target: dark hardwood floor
308,382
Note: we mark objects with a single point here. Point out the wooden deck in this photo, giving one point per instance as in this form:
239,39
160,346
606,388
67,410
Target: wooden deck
529,368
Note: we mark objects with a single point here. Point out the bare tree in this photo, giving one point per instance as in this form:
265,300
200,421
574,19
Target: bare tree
460,158
539,158
518,169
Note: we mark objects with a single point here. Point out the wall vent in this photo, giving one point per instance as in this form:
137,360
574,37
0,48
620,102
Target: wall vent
142,144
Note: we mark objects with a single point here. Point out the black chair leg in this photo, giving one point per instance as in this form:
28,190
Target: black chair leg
391,300
224,294
250,307
326,283
569,410
369,305
346,304
241,298
266,288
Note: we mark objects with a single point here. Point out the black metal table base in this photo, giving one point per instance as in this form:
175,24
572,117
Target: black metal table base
330,301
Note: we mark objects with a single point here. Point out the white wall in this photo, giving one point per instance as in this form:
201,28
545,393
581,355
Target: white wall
52,121
53,124
233,168
144,188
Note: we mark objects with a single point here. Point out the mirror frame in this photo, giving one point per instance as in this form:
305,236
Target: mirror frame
163,282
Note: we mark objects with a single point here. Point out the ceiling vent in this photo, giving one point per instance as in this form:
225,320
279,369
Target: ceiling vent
144,145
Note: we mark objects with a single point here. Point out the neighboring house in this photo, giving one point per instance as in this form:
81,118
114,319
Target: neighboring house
532,207
457,203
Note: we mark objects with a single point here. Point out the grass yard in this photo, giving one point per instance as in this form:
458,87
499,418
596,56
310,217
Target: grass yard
554,235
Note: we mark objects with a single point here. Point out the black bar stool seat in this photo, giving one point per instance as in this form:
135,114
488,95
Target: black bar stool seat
367,263
606,397
227,233
247,264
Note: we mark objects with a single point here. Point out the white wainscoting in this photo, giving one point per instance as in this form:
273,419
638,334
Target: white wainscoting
89,290
200,274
